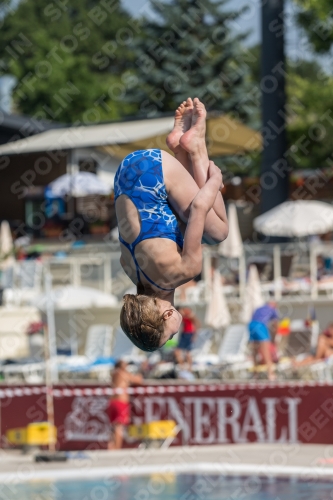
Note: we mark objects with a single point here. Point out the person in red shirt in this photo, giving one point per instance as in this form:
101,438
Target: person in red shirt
190,324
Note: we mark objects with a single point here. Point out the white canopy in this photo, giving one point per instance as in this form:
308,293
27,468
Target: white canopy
71,297
217,313
90,136
232,247
296,219
78,184
225,136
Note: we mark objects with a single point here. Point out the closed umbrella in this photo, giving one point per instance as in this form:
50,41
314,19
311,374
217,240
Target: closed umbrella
253,296
6,246
217,313
296,219
7,260
77,185
232,246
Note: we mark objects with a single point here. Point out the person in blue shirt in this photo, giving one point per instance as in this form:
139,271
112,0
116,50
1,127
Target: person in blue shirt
263,319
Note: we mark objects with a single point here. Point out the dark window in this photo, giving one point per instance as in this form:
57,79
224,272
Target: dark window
88,165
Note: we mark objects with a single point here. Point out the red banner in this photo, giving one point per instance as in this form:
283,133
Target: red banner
206,414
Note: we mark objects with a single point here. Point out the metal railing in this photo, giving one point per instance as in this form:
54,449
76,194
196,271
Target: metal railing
285,269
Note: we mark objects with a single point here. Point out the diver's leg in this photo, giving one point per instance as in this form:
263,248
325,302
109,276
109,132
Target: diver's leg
194,142
182,189
183,120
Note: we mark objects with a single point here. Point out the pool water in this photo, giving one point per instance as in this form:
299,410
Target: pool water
172,487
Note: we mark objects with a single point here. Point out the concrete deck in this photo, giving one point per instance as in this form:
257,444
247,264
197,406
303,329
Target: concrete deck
249,459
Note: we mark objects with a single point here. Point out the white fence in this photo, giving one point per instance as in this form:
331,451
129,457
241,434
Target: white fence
287,270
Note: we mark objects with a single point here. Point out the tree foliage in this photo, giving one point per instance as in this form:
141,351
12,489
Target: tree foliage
67,57
188,49
309,111
316,17
310,127
86,61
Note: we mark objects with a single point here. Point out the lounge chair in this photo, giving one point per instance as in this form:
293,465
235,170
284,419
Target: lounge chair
31,373
203,342
97,357
202,356
124,349
99,341
232,352
26,284
234,344
299,339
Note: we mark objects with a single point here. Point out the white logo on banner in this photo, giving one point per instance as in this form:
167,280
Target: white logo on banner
88,420
195,415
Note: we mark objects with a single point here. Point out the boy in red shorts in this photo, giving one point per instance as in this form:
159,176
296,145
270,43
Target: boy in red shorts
119,406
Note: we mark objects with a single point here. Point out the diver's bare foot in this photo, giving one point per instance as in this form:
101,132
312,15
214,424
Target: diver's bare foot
183,120
193,139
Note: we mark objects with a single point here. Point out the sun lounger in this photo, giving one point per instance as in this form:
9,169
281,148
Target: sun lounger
234,343
97,357
124,349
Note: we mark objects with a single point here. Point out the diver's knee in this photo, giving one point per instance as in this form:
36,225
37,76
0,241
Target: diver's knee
215,236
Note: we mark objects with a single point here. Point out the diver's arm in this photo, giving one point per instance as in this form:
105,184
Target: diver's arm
201,205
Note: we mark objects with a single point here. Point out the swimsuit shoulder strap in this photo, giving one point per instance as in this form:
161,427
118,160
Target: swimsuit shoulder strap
131,248
149,279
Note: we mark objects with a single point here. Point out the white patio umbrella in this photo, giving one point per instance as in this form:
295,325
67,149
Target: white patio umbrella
253,295
75,297
232,247
217,312
79,184
6,246
297,219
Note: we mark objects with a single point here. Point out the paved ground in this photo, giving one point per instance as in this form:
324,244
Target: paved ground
258,459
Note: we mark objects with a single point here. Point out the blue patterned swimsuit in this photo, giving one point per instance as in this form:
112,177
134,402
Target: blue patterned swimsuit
140,177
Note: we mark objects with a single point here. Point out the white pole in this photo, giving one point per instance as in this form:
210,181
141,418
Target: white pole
242,275
107,274
277,271
51,372
0,426
313,272
72,334
76,272
51,330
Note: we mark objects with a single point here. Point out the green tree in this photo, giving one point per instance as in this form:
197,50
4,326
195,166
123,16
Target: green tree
316,18
309,103
68,58
310,107
189,49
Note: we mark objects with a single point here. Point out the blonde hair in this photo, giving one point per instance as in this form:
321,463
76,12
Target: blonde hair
141,319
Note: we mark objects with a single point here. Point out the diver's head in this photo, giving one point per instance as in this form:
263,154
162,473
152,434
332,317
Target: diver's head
149,321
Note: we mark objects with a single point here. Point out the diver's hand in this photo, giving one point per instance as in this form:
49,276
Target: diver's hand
205,198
